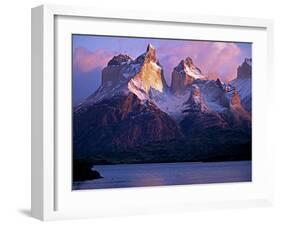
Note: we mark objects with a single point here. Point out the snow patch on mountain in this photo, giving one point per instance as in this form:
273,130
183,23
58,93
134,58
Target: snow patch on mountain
136,87
191,70
171,104
130,69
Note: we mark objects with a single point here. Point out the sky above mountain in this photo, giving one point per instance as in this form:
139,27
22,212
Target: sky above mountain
91,54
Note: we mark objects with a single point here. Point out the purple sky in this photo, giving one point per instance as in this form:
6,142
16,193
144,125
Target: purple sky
91,54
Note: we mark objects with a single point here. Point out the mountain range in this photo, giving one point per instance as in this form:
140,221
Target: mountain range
135,117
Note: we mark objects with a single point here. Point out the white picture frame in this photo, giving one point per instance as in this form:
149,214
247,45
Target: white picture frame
52,197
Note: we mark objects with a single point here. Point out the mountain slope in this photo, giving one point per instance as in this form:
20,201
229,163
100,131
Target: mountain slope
118,123
198,116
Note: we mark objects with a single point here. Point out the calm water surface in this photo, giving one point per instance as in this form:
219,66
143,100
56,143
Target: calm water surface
139,175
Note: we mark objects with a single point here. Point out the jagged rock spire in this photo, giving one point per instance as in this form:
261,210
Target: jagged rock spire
150,53
150,47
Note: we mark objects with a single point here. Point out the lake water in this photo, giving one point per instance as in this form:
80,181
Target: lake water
139,175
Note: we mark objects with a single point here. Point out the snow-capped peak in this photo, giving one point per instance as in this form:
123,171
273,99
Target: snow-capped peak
183,76
187,67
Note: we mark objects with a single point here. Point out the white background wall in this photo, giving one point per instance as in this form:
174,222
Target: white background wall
15,112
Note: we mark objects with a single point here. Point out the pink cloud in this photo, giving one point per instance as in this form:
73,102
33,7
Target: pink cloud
85,60
215,59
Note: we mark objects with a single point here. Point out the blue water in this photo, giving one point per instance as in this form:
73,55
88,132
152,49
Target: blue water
158,174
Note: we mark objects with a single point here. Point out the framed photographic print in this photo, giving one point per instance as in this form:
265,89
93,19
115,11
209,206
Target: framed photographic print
136,112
